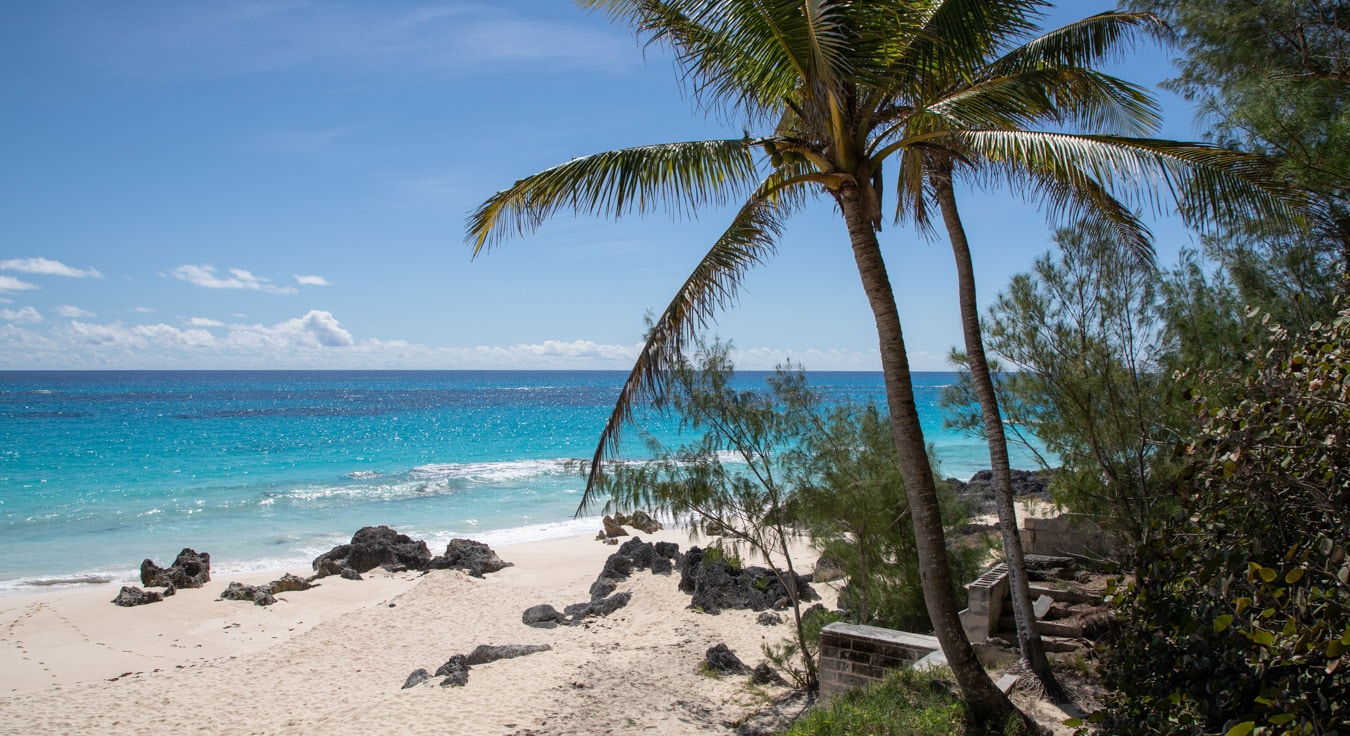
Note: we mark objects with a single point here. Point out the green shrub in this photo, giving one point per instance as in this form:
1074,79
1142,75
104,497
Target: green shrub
1240,616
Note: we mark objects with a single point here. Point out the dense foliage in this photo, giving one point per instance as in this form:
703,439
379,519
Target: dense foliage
1241,610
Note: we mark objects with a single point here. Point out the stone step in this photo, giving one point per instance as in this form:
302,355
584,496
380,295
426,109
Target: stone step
1066,596
1008,625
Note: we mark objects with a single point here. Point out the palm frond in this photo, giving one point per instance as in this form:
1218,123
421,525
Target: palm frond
1104,37
680,176
1209,185
712,286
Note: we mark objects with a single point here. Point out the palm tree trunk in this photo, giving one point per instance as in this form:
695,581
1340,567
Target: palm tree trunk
987,703
1028,638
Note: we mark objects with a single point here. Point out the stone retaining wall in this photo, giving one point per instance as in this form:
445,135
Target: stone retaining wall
1067,534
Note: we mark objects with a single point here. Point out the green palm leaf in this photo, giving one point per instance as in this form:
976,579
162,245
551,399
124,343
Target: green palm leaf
712,286
681,176
1210,185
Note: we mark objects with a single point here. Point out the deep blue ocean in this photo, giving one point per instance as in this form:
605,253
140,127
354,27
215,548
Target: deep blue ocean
266,469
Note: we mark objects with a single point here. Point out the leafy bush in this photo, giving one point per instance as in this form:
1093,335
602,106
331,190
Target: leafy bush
1241,608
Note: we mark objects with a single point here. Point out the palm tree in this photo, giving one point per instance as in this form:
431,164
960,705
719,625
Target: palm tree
847,85
1135,113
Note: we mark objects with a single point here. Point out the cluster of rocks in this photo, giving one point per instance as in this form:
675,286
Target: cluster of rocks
614,526
381,546
456,669
634,555
190,569
371,547
979,490
716,583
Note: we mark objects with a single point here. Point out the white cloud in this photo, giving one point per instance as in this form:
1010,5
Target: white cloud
27,315
312,280
140,310
48,267
316,340
207,277
72,311
9,283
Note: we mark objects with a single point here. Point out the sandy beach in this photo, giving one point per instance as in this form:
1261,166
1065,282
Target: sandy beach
332,660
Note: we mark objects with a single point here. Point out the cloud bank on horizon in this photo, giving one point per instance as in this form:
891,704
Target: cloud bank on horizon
314,340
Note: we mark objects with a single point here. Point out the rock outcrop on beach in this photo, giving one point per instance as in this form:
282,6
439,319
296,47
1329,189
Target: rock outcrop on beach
542,616
260,595
189,570
484,653
456,669
289,583
376,546
417,677
979,490
473,557
718,583
131,595
634,555
613,526
723,661
381,546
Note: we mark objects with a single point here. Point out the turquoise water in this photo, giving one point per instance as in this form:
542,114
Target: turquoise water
263,469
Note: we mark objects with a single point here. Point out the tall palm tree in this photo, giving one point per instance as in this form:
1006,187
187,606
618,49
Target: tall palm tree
843,86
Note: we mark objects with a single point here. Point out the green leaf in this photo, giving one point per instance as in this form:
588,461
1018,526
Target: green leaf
1268,574
1293,576
1073,722
1241,729
1263,638
1282,719
1222,622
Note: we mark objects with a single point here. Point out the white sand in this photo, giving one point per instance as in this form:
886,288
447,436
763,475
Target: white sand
332,660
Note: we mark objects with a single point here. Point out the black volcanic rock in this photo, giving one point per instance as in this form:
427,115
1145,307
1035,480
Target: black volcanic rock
455,671
417,677
288,583
130,596
719,584
373,546
260,595
484,653
473,557
723,661
189,570
542,616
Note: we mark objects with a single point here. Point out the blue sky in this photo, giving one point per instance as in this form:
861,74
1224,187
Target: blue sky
284,184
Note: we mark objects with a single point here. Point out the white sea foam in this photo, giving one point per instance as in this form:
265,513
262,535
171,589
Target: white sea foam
493,472
41,583
364,474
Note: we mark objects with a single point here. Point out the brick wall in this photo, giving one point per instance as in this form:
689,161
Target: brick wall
852,656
